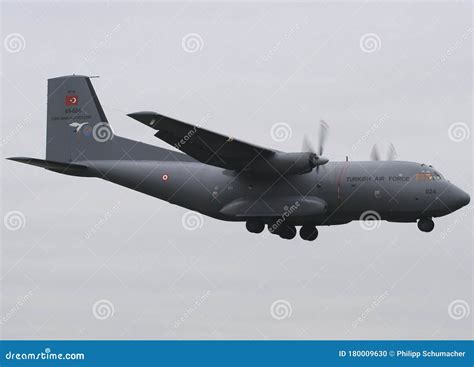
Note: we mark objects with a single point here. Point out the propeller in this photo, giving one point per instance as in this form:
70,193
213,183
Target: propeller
316,157
323,134
391,153
374,154
307,145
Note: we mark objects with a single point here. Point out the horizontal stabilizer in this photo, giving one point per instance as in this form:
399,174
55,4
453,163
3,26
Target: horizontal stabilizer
66,168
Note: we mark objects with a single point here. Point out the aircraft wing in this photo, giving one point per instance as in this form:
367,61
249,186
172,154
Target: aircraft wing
203,145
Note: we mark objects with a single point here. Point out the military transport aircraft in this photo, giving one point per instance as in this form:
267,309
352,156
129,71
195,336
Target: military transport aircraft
231,180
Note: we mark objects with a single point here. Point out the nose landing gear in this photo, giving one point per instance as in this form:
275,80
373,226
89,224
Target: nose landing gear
425,224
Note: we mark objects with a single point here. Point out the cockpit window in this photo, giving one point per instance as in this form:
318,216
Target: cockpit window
424,176
428,176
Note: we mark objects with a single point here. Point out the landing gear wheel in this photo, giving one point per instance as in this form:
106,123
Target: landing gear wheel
287,232
425,224
255,226
309,233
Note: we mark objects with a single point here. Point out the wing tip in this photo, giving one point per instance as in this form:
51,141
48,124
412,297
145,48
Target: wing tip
20,159
142,115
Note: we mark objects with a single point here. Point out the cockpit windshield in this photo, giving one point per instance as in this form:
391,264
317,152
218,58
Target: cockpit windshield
428,174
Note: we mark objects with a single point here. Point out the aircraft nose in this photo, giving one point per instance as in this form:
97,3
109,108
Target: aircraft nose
465,198
460,198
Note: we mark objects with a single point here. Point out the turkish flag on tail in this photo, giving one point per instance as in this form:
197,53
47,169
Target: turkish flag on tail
72,100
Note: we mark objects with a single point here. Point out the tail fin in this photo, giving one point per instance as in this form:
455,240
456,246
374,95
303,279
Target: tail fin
77,129
78,132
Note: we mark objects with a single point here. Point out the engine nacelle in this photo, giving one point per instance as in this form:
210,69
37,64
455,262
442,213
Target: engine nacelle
288,164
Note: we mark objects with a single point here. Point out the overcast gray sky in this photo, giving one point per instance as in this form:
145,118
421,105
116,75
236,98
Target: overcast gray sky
91,260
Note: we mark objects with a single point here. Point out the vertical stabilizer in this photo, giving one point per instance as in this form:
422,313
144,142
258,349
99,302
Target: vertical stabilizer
77,128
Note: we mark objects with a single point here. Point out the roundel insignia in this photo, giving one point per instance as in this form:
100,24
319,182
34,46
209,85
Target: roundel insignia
164,177
87,130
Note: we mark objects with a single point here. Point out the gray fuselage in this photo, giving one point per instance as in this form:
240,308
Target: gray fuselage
398,191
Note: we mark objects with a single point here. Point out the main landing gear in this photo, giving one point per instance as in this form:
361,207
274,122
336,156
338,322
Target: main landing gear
287,232
255,226
284,230
425,224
